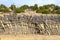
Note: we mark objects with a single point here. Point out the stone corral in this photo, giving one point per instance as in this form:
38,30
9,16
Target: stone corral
45,24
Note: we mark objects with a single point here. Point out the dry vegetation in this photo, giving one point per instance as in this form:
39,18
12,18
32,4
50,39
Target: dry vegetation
29,37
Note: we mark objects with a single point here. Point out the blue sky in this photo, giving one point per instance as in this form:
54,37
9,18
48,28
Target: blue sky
29,2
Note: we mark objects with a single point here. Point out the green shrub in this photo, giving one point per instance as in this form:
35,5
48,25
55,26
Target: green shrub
58,11
18,10
46,11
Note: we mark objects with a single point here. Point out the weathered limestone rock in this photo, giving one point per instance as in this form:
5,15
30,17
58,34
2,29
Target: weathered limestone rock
44,24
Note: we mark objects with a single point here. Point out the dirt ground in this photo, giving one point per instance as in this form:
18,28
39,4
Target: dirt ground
29,37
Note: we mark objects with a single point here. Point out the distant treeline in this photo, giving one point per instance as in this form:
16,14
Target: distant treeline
45,9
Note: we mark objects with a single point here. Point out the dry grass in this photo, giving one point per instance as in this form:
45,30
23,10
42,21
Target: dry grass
29,37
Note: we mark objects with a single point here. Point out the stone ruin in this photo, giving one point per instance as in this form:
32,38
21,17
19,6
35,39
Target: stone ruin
30,24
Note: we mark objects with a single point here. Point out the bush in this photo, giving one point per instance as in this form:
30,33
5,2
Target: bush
18,10
39,11
58,11
46,11
3,8
1,12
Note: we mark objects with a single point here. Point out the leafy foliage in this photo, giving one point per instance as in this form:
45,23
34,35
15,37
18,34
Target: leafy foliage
35,7
45,9
18,10
58,11
12,7
24,7
3,8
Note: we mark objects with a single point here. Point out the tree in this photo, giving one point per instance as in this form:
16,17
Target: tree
31,7
13,7
39,11
46,6
56,7
58,11
24,7
3,8
46,11
35,7
41,7
18,10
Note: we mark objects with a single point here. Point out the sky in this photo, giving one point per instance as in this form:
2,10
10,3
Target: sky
29,2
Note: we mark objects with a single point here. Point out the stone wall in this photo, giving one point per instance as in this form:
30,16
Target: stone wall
45,24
